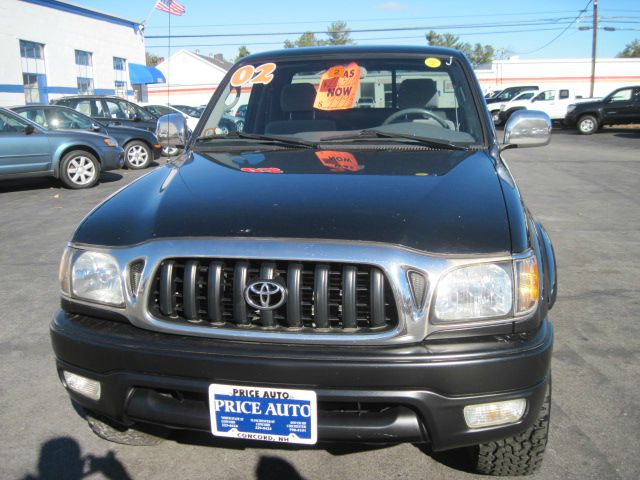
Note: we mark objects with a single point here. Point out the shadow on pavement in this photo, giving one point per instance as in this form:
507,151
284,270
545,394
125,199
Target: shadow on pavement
628,134
22,184
61,459
459,459
274,468
43,183
108,177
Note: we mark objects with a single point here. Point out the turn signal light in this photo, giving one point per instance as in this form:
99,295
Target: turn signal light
528,284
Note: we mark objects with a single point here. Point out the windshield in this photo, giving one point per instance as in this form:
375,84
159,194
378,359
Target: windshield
321,99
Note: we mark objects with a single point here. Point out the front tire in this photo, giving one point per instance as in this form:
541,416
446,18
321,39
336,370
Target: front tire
137,155
520,454
587,124
79,169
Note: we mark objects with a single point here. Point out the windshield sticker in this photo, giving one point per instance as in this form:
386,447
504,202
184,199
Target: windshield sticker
338,162
432,62
338,88
252,75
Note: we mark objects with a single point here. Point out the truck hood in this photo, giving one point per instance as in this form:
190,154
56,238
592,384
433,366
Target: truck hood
437,201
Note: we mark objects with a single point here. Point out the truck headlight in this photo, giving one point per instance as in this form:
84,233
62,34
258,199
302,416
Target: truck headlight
488,291
92,276
475,292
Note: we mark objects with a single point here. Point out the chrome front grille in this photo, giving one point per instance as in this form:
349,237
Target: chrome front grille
323,297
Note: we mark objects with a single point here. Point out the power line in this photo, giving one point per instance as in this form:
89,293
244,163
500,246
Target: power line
310,22
248,44
537,22
561,33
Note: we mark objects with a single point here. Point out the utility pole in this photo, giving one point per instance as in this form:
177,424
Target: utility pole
593,48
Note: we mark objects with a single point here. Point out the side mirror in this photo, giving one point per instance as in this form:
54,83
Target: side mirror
172,130
29,129
95,127
527,128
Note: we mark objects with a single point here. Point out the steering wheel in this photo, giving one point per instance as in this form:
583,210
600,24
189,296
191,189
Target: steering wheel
422,111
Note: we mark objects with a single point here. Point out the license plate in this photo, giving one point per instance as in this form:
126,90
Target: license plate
267,414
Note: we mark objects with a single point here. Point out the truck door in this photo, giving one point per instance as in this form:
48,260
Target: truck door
546,102
619,107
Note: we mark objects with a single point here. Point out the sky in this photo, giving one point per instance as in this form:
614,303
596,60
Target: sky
527,29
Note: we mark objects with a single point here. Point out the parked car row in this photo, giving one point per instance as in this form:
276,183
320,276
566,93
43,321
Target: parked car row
622,106
75,157
77,137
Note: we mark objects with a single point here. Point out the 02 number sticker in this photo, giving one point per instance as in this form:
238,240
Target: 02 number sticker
251,75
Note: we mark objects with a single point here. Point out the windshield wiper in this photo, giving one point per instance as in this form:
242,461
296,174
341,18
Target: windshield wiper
296,142
373,133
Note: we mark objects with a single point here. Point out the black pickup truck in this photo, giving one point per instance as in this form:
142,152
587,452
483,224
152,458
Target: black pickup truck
620,107
330,273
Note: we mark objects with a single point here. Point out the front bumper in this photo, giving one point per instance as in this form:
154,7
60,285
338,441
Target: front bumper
111,158
402,393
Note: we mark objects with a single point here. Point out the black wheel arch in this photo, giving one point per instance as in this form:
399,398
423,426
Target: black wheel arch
547,258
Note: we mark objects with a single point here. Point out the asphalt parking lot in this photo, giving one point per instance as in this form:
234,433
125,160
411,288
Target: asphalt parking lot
584,189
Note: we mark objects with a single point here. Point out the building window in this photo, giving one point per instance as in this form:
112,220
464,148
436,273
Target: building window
31,49
31,88
121,88
84,58
119,63
34,78
120,70
84,72
85,86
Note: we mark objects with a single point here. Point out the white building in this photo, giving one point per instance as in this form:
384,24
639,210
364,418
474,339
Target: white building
611,73
52,48
191,78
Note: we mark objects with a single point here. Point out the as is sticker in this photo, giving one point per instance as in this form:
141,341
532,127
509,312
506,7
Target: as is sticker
338,88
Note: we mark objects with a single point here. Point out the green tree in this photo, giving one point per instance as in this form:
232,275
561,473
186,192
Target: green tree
477,54
631,49
307,39
338,34
152,59
243,51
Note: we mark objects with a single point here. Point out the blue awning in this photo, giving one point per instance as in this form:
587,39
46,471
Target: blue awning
143,74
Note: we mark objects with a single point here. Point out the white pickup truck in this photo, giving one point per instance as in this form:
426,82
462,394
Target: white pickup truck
500,116
553,102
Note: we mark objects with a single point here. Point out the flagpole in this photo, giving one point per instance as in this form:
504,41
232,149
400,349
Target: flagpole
146,20
168,60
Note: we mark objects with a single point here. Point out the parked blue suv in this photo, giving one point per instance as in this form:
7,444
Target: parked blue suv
76,158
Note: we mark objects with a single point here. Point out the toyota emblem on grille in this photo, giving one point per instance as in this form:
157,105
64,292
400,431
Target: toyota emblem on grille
265,294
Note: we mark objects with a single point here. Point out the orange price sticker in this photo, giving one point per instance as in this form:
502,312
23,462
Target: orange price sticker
338,88
338,161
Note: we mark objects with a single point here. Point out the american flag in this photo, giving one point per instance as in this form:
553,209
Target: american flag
170,6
